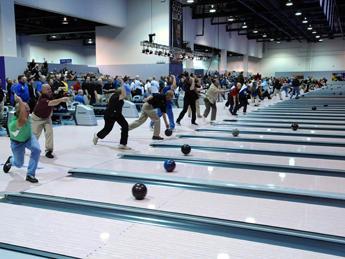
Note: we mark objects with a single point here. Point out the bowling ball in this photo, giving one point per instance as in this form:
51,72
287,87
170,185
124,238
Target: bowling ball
169,165
186,149
340,93
325,105
168,132
313,108
235,132
294,126
139,191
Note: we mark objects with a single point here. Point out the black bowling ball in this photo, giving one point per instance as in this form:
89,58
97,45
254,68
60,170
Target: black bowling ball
139,191
313,108
294,126
185,149
325,105
168,132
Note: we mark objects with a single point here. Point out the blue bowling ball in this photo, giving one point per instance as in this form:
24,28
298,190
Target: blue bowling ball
169,165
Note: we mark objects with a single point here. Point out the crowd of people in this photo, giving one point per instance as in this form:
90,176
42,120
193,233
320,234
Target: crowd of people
39,93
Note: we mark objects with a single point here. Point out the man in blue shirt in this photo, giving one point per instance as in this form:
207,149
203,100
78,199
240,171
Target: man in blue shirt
21,89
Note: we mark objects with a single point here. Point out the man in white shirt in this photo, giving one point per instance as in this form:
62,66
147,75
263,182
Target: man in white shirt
154,89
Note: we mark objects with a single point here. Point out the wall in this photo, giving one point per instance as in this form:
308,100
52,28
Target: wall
38,48
135,69
14,66
111,12
235,63
328,55
217,37
122,46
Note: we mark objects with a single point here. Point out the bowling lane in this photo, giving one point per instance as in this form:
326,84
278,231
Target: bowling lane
98,238
261,159
283,125
274,137
180,244
231,175
282,120
301,216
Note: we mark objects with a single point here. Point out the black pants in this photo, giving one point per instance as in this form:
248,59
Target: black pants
188,101
243,103
109,122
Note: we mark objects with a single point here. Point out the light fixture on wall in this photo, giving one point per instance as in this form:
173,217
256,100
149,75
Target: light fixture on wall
264,36
309,27
278,42
212,10
298,13
190,1
231,19
289,3
244,26
53,36
305,20
314,32
255,31
271,39
65,20
320,40
317,36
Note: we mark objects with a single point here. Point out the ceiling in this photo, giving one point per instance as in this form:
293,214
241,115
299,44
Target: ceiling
273,20
32,21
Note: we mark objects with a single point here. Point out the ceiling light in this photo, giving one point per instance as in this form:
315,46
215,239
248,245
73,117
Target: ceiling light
53,36
190,1
314,32
89,41
255,31
305,20
271,39
320,40
278,42
244,26
65,21
298,13
264,36
309,28
289,3
317,36
212,10
231,19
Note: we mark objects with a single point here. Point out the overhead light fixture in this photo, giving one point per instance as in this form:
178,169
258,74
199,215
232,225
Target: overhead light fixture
317,36
90,41
305,20
53,36
289,3
278,42
65,21
190,1
298,13
320,40
309,28
314,32
244,26
271,39
255,31
264,36
212,10
231,19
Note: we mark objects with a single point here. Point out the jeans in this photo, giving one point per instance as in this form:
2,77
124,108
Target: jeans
169,110
295,90
18,150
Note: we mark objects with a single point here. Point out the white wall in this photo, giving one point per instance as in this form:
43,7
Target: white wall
38,48
122,46
236,64
217,37
111,12
328,55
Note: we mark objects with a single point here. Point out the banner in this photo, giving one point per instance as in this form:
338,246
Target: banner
176,34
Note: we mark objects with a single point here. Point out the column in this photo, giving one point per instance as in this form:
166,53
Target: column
8,43
223,61
245,65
